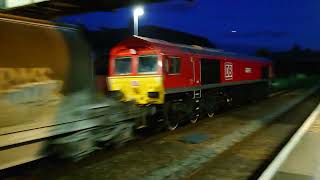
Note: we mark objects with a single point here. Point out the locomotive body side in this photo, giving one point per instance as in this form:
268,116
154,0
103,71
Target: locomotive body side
203,72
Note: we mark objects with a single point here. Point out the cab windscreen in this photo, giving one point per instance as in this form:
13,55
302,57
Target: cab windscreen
123,65
148,64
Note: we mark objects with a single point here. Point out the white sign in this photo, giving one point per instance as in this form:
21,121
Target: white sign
228,71
248,70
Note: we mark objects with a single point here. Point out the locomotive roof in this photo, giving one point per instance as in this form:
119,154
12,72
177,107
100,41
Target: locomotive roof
161,44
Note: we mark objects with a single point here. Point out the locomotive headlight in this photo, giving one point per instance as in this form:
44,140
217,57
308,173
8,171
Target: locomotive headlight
158,79
153,94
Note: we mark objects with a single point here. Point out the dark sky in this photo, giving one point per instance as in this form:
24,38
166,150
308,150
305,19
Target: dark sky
230,24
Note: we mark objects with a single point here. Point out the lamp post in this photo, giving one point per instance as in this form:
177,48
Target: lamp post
137,11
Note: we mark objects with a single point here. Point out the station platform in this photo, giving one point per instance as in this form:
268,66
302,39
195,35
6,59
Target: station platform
299,159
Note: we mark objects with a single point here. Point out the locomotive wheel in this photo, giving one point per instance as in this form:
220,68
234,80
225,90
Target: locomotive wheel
195,115
171,118
172,125
194,119
194,112
211,114
172,122
211,111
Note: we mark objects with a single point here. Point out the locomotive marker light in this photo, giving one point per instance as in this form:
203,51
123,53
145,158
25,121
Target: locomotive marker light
133,51
137,11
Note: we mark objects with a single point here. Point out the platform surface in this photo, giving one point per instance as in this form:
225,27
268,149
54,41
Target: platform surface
303,162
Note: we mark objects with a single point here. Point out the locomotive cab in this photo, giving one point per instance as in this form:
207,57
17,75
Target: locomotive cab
138,75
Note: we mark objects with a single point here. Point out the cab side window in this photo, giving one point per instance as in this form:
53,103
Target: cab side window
173,65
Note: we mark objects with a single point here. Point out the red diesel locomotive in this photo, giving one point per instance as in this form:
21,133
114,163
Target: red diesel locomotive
184,81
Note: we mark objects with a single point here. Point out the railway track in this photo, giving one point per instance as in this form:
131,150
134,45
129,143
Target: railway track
249,158
240,145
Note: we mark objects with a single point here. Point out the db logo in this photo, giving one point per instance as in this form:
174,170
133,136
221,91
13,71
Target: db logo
228,71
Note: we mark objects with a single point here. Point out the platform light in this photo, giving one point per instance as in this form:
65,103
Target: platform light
137,11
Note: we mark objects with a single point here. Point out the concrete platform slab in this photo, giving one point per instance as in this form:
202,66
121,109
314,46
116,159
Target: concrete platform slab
305,158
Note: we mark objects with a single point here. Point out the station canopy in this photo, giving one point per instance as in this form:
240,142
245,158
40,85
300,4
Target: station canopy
50,9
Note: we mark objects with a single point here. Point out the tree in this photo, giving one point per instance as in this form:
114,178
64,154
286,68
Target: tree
296,49
263,52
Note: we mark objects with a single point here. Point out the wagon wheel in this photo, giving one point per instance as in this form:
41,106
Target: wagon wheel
171,117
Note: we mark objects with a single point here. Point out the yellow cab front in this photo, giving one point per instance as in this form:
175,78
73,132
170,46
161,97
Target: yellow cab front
138,77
